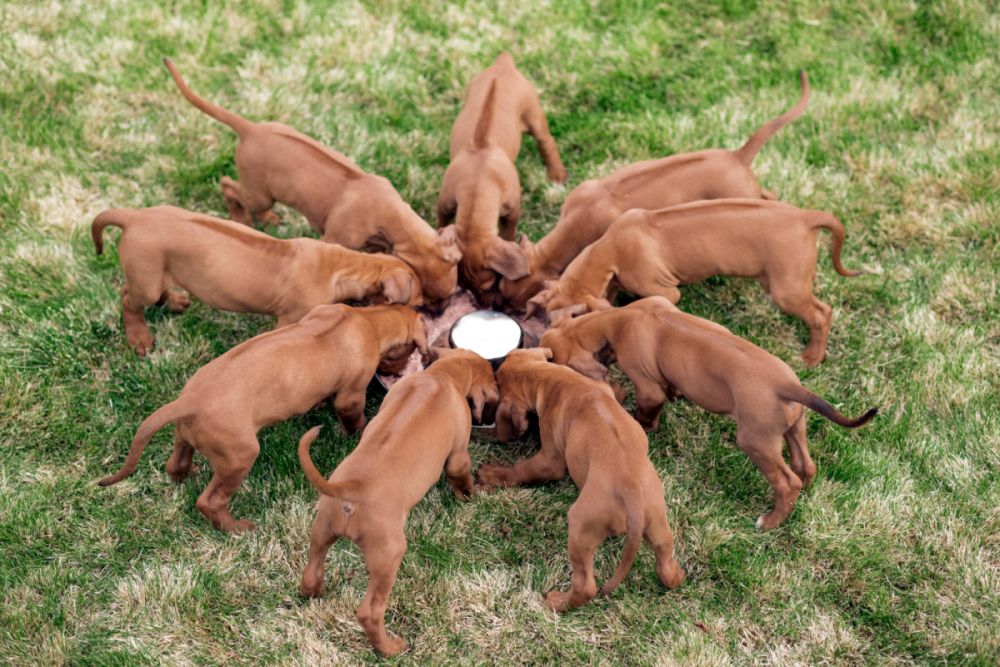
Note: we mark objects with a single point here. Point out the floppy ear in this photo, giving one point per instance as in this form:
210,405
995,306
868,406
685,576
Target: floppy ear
512,421
420,336
399,286
595,305
557,317
507,259
537,303
437,352
585,364
447,241
483,398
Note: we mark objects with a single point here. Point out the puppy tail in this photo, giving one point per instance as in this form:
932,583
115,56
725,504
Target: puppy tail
327,488
800,394
116,217
749,150
239,124
170,412
634,524
481,136
830,222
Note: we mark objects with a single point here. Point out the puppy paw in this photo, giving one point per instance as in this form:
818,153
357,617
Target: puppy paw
491,475
812,358
558,176
141,344
269,218
177,301
556,601
241,526
392,646
768,521
311,591
670,574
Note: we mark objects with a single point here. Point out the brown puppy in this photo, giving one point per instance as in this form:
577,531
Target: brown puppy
481,185
423,426
667,353
348,206
653,184
333,352
650,253
233,267
585,431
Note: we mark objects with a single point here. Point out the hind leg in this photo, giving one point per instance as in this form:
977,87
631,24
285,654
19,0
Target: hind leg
137,332
244,205
660,537
538,126
649,399
383,555
798,451
230,467
458,469
323,537
349,405
179,463
816,314
764,449
588,527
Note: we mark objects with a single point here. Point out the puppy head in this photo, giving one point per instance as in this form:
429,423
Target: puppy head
399,284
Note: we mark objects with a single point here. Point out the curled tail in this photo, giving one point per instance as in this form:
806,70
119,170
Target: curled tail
748,151
117,217
239,124
481,136
634,524
828,221
344,491
170,412
800,394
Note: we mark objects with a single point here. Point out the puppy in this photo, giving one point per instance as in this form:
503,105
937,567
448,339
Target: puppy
481,185
233,267
333,352
667,353
423,426
585,431
652,184
345,204
650,253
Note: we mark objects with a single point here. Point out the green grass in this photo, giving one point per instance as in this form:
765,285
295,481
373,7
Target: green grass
892,556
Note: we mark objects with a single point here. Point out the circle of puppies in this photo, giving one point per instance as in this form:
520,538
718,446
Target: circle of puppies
646,229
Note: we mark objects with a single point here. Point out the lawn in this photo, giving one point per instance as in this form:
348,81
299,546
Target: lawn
892,556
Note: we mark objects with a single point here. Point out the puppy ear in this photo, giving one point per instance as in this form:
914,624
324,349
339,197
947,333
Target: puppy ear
527,247
447,242
511,421
420,336
507,259
585,364
538,302
483,398
597,305
397,286
557,317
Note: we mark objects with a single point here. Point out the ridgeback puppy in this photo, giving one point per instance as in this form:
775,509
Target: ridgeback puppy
667,353
585,431
423,426
650,253
652,184
345,204
481,185
332,352
233,267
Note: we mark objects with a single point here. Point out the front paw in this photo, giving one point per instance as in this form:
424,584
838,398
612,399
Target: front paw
556,601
